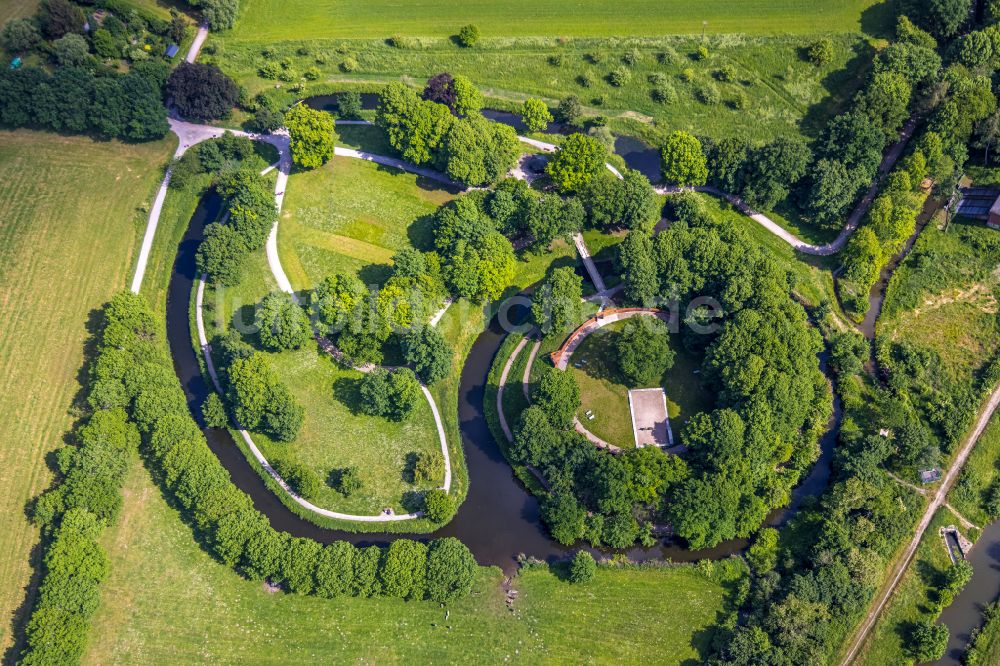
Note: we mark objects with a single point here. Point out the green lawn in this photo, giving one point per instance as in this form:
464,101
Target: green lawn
274,20
168,602
604,391
12,9
72,213
912,600
784,94
351,216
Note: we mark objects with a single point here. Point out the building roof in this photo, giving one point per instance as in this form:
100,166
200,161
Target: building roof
172,50
996,208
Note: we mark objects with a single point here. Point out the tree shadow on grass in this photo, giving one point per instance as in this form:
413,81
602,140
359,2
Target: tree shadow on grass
842,85
375,274
420,233
347,391
409,473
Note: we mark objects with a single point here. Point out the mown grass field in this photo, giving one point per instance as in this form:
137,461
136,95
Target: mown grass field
168,602
274,20
352,216
12,9
912,601
72,212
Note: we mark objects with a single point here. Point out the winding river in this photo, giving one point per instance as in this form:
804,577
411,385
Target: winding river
499,519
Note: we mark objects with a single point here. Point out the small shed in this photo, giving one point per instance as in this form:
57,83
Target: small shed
15,63
993,221
172,50
929,475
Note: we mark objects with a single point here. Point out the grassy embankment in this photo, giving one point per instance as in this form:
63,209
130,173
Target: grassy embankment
72,213
559,50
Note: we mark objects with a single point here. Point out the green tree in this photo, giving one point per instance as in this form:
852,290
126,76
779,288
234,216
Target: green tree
578,161
71,50
558,395
477,151
644,352
403,569
281,323
221,254
684,162
763,554
565,517
313,135
213,412
220,14
334,571
535,114
550,217
821,52
451,570
439,506
942,18
349,105
20,35
481,272
556,304
928,641
628,202
391,394
635,254
468,99
582,568
60,17
347,481
569,110
429,352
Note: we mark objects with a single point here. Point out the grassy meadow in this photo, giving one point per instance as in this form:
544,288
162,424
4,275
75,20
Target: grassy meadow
980,472
72,213
168,602
275,20
766,78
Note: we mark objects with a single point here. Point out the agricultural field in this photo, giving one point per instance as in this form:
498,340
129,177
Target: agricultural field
275,21
64,250
189,608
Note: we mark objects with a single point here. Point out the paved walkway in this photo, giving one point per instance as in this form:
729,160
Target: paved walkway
501,387
199,40
938,500
577,337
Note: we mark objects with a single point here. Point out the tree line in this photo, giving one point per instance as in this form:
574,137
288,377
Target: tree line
136,403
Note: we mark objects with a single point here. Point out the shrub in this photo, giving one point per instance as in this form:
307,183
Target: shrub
569,110
346,481
820,52
269,70
349,65
468,35
535,114
702,53
582,568
664,94
401,42
620,76
403,569
428,466
726,73
312,73
439,506
556,60
709,94
21,35
631,57
687,75
585,80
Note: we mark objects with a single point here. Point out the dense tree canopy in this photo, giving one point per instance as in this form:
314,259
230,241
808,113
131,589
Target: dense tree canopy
579,160
535,114
202,92
556,304
312,135
684,162
281,322
644,352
